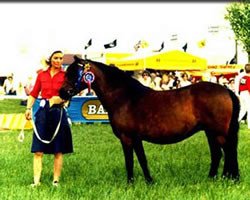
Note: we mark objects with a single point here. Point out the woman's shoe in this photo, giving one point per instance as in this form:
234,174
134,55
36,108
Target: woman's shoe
55,183
33,185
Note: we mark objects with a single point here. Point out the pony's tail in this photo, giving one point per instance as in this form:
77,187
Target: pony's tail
234,124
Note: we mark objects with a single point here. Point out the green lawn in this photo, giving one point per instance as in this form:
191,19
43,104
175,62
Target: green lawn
96,169
8,106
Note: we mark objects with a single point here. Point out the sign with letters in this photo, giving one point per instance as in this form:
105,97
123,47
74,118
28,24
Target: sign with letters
87,109
92,109
83,110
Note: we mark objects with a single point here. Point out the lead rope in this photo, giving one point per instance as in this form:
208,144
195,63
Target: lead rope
21,134
55,133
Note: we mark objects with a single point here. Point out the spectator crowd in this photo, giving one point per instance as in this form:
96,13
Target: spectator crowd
167,80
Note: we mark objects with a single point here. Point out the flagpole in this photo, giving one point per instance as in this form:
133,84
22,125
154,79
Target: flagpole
144,60
236,51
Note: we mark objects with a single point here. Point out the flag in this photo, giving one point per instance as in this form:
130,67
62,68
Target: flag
144,44
162,47
202,43
111,44
185,47
233,60
88,44
137,45
141,44
174,37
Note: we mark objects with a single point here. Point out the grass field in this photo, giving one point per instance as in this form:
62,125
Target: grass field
96,169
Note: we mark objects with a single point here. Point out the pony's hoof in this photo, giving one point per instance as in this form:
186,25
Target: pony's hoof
234,178
213,177
130,181
149,181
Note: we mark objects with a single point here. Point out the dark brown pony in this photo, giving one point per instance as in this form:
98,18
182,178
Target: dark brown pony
138,113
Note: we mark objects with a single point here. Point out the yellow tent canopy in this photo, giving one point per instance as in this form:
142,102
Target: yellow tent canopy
171,60
104,57
176,60
133,62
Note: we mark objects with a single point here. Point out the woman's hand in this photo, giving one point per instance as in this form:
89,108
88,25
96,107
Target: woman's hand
55,100
28,114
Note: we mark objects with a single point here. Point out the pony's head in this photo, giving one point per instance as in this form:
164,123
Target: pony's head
77,78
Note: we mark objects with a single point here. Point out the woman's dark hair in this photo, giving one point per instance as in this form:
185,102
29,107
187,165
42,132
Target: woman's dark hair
184,74
48,61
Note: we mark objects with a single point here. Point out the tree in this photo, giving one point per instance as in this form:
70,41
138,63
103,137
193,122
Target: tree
238,14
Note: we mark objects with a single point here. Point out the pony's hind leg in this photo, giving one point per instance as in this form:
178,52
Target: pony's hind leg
216,153
140,153
231,168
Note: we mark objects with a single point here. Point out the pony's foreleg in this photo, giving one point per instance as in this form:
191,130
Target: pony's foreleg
140,153
216,154
127,147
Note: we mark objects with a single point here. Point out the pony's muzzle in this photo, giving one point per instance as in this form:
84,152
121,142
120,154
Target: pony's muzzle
66,94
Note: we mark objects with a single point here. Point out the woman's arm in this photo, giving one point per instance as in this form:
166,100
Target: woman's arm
30,103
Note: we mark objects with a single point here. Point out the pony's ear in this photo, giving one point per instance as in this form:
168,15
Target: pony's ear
79,60
76,58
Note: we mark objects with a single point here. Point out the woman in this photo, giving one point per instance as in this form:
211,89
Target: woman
52,134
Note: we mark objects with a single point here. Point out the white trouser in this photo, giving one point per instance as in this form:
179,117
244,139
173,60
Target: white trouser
245,106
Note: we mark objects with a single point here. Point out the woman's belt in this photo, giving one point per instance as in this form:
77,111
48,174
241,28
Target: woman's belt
43,103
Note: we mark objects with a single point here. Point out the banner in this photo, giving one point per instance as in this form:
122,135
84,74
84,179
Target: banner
83,110
225,69
87,109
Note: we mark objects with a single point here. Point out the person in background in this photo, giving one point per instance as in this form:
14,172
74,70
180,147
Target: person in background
176,83
52,133
237,81
184,81
145,78
157,81
152,83
9,85
171,76
244,90
2,93
222,80
231,84
29,84
25,89
212,77
164,83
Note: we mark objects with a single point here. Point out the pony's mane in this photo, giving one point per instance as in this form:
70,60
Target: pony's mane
119,77
70,70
